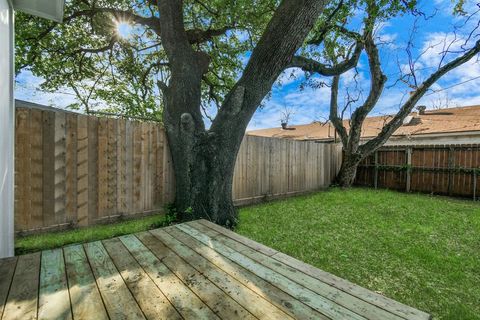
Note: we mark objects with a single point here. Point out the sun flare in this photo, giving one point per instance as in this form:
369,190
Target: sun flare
123,28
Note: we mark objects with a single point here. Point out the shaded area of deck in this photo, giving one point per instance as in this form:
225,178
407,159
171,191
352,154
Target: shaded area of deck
195,270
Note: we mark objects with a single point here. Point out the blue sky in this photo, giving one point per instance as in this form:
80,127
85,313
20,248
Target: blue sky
308,104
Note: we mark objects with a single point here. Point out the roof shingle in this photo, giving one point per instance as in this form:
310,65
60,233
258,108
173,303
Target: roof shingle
461,119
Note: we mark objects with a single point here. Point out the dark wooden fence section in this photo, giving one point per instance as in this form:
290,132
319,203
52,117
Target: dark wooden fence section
440,169
76,170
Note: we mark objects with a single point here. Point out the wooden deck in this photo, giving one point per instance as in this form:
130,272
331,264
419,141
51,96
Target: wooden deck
195,270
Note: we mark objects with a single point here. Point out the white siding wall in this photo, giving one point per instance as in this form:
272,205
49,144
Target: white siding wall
6,130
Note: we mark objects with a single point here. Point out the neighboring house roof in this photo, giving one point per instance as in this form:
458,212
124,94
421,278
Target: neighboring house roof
450,120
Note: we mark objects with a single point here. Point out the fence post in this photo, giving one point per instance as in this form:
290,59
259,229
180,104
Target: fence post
375,179
474,185
409,169
450,169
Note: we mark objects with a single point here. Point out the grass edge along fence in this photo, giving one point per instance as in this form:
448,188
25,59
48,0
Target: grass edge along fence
74,170
452,170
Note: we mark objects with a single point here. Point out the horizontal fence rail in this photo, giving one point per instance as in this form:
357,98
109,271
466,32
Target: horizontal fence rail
74,170
440,169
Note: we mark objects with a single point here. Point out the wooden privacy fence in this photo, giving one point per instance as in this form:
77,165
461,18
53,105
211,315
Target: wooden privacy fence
269,168
77,170
441,169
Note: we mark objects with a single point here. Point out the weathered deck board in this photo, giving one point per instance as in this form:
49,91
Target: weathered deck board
153,302
7,268
282,300
22,301
195,270
84,294
118,300
337,296
317,302
251,301
184,300
373,298
220,303
54,300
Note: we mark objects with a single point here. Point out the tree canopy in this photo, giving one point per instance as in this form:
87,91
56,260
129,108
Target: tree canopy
118,70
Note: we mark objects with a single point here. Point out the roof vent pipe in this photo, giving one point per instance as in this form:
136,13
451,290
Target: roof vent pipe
421,110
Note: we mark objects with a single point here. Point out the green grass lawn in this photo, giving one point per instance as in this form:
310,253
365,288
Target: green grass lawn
58,239
421,250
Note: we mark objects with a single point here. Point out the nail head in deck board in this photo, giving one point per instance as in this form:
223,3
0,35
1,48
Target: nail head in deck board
23,297
335,295
299,292
360,292
246,297
151,300
86,300
54,299
221,303
184,300
249,279
118,300
7,269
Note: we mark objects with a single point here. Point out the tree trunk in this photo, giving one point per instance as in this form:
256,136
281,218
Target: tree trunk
204,160
203,174
348,170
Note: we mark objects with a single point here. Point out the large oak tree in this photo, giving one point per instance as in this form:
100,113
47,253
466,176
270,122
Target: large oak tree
193,51
181,60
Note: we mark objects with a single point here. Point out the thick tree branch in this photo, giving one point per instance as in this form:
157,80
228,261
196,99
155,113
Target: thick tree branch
107,47
408,106
284,34
200,36
314,66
